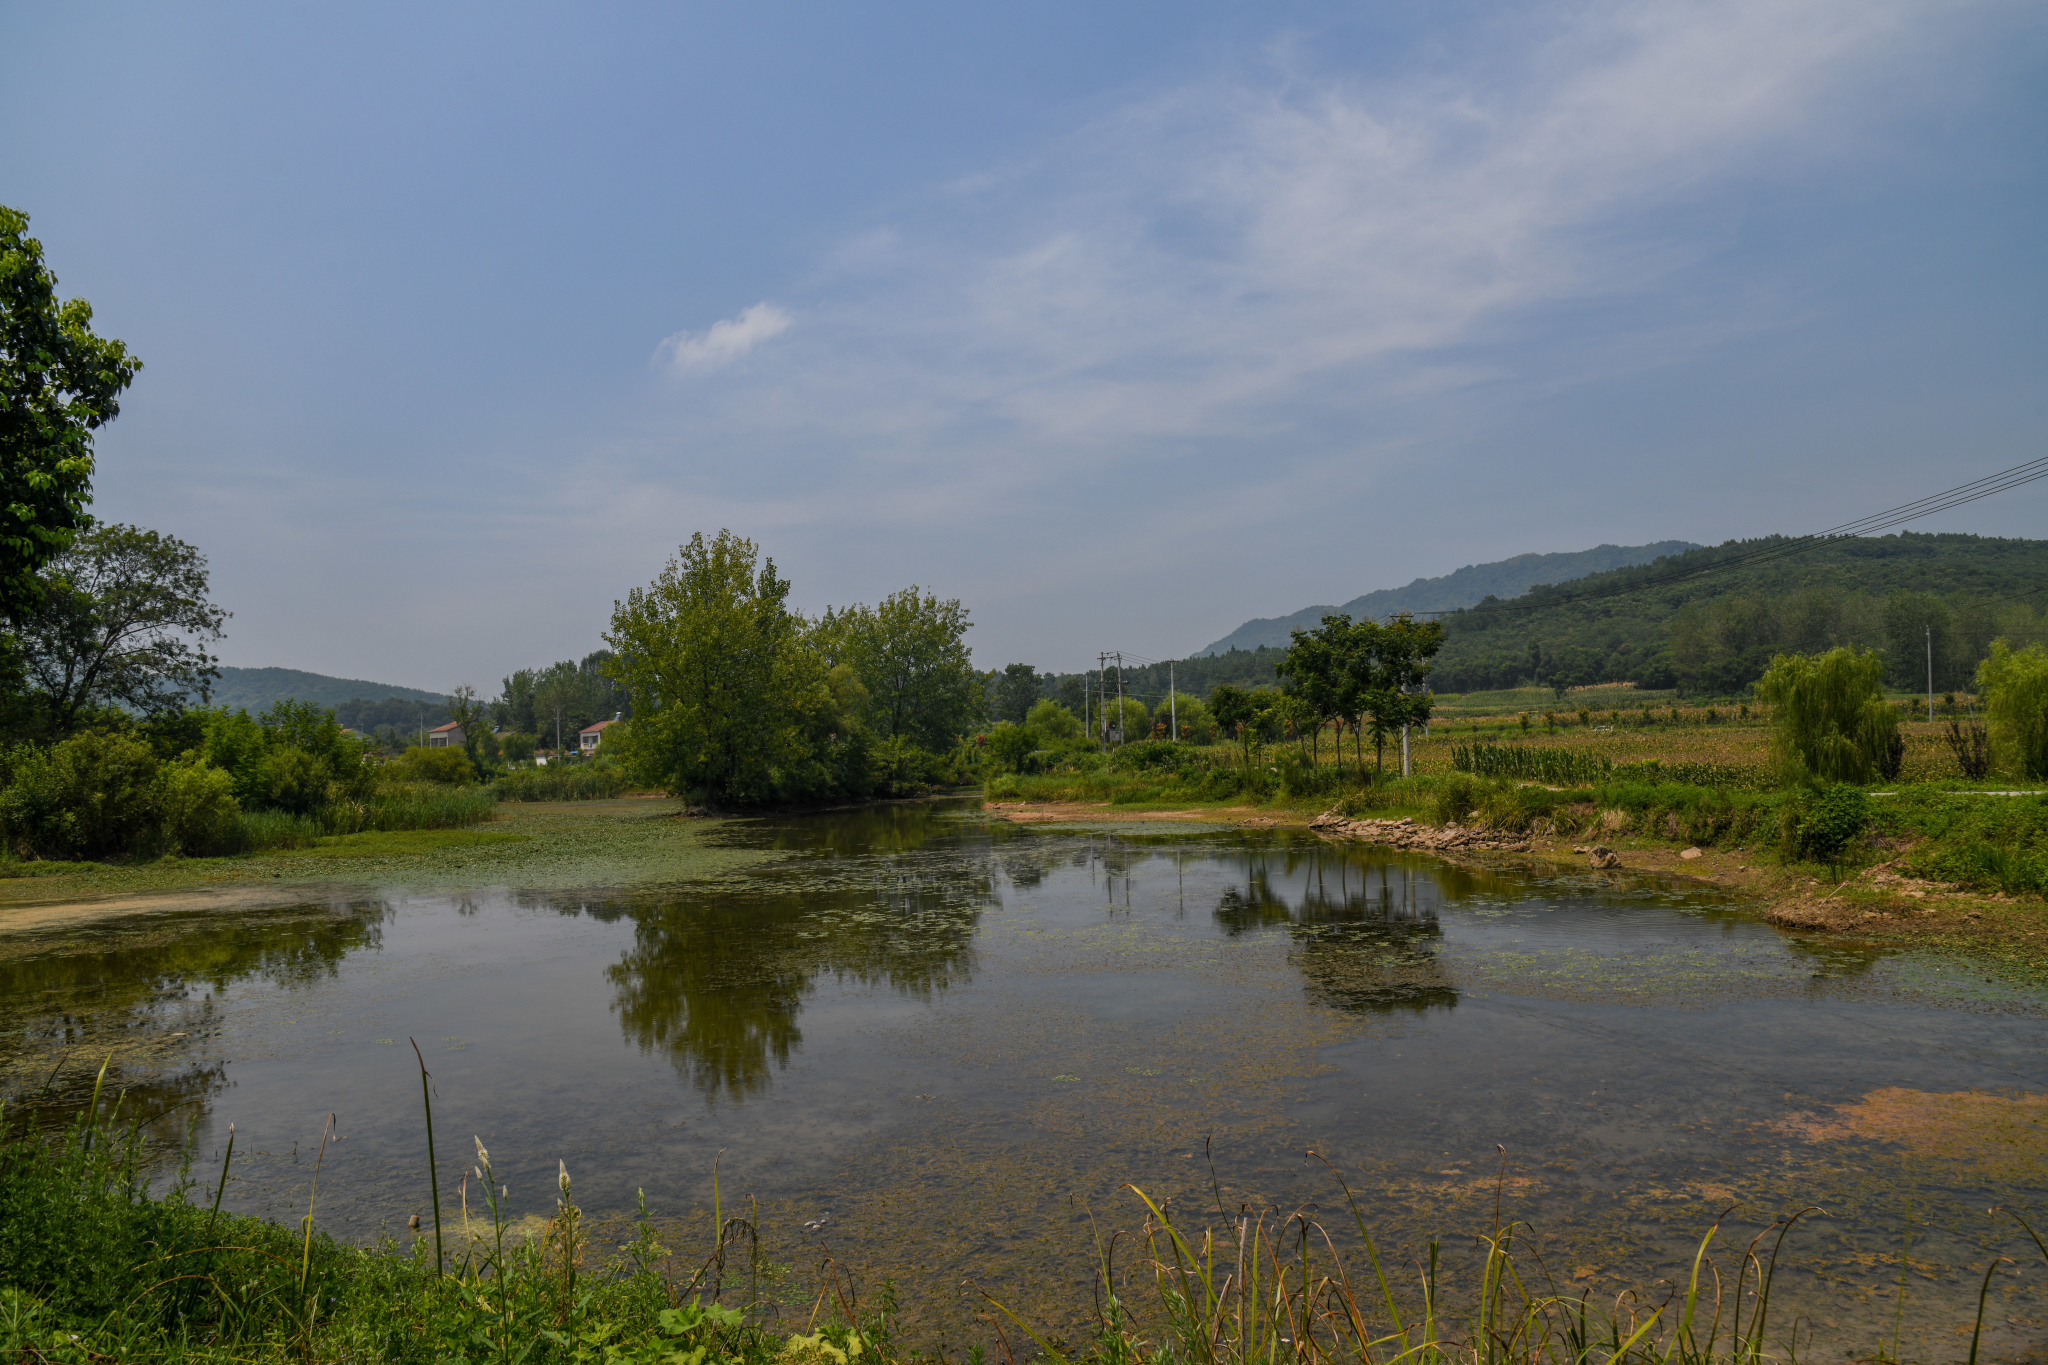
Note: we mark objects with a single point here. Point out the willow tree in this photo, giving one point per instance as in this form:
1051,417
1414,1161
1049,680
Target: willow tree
722,677
2015,687
1829,717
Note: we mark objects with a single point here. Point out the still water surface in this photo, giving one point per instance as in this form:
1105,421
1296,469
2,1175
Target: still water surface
952,1038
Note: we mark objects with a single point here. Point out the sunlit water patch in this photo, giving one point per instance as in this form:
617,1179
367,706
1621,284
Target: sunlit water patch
945,1042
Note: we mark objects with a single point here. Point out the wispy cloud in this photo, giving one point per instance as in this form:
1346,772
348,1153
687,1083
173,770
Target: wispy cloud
1277,251
724,342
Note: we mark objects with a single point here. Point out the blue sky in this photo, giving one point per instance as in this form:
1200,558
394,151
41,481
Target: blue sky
1121,323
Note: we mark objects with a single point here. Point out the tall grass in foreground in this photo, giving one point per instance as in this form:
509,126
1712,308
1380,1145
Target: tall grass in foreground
96,1268
1266,1289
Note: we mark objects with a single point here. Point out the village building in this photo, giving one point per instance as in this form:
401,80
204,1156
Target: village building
445,736
590,736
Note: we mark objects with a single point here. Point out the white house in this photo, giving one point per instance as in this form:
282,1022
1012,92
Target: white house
590,736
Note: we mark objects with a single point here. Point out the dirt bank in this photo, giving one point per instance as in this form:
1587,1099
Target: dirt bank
1878,903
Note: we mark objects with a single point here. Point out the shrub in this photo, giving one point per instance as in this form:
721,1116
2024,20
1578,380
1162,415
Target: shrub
1827,822
2015,688
1456,799
1831,722
446,765
515,748
295,781
92,796
200,813
1010,746
1053,721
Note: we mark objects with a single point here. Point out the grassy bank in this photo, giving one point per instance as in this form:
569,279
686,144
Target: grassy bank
95,1266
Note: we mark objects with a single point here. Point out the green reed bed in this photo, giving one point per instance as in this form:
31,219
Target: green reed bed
409,806
597,782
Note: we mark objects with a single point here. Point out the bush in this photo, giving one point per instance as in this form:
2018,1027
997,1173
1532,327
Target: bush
1456,798
1010,746
92,796
200,814
515,748
1827,822
2015,687
447,765
1053,721
295,781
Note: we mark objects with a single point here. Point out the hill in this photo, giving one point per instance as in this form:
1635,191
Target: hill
1466,587
1899,594
253,689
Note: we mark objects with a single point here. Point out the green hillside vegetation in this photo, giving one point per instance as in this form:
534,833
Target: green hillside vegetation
254,689
1471,584
1716,635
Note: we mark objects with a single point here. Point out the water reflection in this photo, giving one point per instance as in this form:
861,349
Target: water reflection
718,982
1365,928
142,997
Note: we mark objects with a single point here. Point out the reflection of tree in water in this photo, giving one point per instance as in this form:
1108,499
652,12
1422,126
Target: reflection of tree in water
68,1002
1365,928
718,981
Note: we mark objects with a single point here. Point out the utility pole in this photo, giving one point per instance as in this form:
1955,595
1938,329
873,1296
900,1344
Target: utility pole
1930,672
1102,695
1120,699
1172,703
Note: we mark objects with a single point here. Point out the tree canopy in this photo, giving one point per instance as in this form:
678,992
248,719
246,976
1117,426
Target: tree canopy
115,625
59,383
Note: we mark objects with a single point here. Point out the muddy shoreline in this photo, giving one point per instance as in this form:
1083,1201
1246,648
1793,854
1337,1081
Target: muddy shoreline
1877,903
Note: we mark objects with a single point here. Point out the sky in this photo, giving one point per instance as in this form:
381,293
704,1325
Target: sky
1120,323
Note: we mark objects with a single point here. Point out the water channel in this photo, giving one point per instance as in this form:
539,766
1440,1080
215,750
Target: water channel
949,1042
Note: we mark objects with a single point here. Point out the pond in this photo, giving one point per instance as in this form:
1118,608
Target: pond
948,1043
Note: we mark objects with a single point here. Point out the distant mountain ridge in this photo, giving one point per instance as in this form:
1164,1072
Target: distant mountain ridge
1464,588
255,689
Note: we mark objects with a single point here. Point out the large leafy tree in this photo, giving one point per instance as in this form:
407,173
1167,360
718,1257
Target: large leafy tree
120,620
910,653
722,677
59,383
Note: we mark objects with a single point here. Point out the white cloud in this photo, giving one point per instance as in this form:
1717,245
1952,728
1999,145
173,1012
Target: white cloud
1248,254
725,342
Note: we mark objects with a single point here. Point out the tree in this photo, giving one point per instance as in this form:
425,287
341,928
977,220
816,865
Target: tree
112,624
909,652
475,719
1389,664
1015,691
1318,669
2015,687
1052,721
59,383
1829,718
1237,711
720,671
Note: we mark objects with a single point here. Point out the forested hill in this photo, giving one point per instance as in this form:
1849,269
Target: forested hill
254,689
1503,578
1716,634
